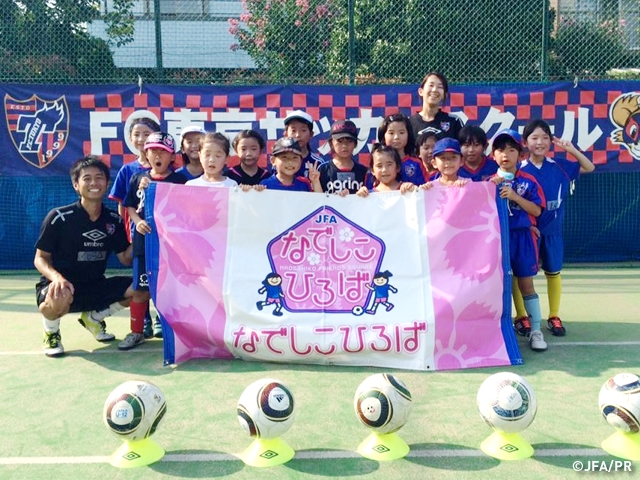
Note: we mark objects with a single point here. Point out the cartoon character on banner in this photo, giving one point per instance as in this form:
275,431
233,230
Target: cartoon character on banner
272,286
381,288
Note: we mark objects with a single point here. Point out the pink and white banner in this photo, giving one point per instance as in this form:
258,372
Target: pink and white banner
414,281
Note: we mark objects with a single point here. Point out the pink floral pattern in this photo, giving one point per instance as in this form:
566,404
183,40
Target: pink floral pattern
463,237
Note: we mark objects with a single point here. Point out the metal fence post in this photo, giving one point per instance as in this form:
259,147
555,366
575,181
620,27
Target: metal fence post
158,28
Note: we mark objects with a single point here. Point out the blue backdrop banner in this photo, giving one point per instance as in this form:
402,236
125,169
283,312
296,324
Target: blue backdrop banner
46,128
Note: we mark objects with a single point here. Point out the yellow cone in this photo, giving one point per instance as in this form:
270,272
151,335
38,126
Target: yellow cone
623,445
506,446
383,447
137,454
267,453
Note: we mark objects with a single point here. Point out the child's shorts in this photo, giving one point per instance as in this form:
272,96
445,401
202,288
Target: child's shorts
140,278
551,253
523,250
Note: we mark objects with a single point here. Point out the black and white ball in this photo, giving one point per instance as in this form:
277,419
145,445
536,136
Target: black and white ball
134,409
266,409
619,402
507,402
382,403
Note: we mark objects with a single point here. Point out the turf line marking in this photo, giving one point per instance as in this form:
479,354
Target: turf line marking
308,455
81,353
84,353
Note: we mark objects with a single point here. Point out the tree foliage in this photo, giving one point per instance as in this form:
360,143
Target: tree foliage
41,39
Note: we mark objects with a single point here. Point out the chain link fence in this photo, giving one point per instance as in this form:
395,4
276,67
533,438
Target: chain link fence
316,41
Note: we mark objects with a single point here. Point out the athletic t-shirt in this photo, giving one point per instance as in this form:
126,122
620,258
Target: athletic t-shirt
443,125
528,188
555,177
133,200
487,169
299,184
243,178
201,182
335,180
79,247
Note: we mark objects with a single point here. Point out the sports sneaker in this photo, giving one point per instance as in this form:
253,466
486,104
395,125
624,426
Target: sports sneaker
148,326
97,329
132,340
522,326
157,328
536,341
53,344
555,325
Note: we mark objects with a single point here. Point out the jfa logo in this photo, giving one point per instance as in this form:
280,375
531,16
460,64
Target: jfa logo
39,128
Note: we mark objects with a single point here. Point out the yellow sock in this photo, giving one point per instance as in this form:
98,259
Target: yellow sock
554,292
518,301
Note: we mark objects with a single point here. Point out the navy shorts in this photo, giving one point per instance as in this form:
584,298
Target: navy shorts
551,253
140,278
523,250
96,295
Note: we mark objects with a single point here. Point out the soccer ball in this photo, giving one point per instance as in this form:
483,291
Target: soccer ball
382,403
507,402
134,410
266,409
619,402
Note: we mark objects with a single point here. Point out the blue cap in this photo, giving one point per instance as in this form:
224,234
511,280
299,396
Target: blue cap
507,132
446,145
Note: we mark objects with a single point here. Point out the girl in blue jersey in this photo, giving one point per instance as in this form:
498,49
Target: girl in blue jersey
386,166
526,202
476,166
286,159
396,132
555,177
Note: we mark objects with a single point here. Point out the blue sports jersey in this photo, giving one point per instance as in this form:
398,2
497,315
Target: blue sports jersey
411,171
487,169
120,185
300,184
186,173
555,177
527,187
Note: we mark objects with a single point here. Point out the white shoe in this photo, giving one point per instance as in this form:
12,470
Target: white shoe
52,344
536,341
97,329
132,340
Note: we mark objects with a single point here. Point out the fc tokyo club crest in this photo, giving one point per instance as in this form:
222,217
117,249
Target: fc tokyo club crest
39,128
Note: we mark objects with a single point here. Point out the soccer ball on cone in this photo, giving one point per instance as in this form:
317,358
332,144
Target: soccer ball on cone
382,403
266,409
619,402
134,409
507,402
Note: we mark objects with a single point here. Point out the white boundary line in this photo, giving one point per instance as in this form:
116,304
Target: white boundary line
81,353
303,455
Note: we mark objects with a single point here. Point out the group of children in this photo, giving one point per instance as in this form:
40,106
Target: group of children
404,159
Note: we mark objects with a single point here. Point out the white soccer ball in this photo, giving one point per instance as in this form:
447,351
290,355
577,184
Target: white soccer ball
266,409
619,402
134,409
507,402
382,403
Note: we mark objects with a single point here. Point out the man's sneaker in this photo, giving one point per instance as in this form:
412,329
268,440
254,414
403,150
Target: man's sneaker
53,344
555,325
157,328
132,340
97,329
536,341
522,326
148,326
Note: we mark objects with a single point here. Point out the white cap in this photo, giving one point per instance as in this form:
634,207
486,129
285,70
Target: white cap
192,129
298,115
